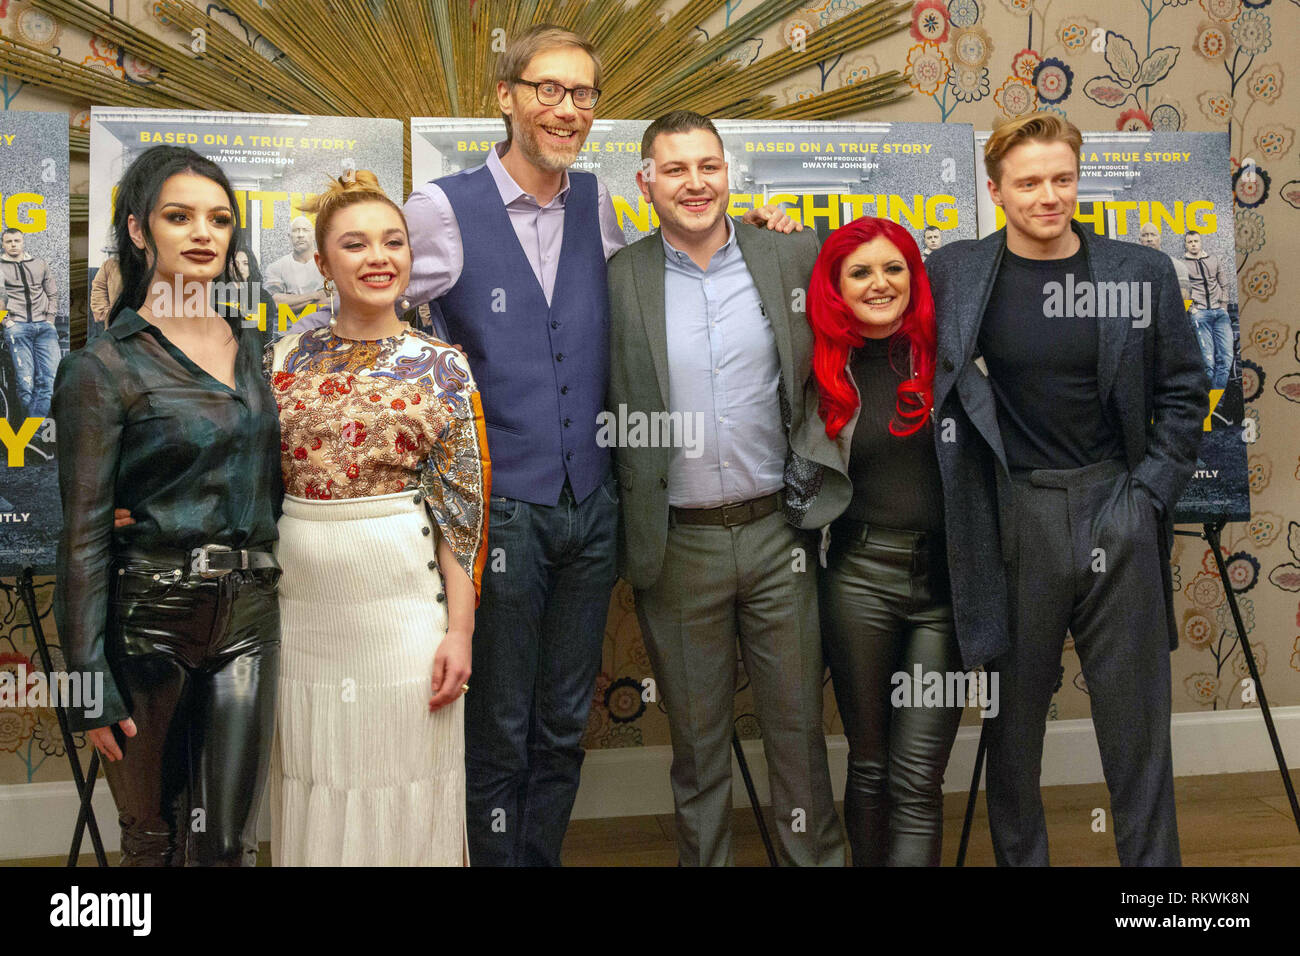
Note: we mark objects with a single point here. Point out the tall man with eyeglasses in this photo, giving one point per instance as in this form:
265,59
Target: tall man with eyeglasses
511,256
520,287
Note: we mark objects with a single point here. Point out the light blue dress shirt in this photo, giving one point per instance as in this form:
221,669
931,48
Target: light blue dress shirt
723,365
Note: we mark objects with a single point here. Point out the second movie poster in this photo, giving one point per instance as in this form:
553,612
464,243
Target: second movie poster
825,174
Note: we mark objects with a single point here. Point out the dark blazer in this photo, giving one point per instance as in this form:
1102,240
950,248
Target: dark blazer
781,266
1151,378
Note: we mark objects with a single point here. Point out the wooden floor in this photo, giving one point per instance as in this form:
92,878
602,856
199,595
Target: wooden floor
1226,820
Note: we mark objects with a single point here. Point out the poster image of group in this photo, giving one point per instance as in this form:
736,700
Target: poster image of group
34,321
274,163
826,174
1172,192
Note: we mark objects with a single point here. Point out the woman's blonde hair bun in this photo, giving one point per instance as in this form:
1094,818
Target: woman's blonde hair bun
353,187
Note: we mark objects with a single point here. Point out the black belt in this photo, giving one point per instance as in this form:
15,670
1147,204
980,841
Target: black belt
742,512
206,561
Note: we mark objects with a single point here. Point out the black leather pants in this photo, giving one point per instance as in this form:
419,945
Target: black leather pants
885,608
199,662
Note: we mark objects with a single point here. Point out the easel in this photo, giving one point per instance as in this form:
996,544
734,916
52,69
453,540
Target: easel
26,591
1210,531
753,798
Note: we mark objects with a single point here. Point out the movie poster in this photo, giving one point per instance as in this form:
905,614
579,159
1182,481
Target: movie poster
34,320
826,174
274,163
1171,191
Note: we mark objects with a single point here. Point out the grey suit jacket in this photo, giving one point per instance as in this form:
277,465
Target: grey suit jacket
1151,379
779,264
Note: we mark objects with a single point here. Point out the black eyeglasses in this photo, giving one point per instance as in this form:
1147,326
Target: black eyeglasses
552,94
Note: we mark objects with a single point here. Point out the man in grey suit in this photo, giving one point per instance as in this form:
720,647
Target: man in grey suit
718,478
1066,358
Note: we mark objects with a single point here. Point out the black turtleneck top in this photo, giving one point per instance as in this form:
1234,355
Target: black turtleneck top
895,480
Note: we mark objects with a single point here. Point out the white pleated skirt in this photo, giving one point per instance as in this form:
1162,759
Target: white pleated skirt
362,773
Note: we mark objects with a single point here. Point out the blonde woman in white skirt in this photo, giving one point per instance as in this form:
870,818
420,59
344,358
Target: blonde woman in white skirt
382,543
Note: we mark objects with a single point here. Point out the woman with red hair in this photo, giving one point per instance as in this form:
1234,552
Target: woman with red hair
887,619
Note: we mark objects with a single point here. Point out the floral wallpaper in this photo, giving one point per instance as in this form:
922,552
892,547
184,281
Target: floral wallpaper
1205,65
30,737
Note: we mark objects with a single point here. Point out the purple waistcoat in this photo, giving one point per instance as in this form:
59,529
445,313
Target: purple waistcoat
542,370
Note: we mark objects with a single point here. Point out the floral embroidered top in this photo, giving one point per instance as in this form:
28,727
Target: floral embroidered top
366,418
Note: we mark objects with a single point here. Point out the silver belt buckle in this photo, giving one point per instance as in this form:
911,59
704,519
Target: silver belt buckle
199,561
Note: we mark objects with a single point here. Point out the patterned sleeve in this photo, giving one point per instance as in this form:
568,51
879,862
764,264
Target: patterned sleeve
458,498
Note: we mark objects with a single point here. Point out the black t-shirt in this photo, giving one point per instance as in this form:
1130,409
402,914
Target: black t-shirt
895,480
1043,368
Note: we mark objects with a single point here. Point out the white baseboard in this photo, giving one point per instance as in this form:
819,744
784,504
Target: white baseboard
36,819
634,781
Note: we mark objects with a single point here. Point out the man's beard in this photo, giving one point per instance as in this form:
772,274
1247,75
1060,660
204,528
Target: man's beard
532,150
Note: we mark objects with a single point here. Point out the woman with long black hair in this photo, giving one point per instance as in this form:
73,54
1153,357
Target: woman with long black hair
167,415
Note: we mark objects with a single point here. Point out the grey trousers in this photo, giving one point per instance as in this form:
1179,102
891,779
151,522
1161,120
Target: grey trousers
1086,560
756,584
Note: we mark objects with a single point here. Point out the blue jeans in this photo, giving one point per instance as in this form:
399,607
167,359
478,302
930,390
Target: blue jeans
537,649
1214,333
34,350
